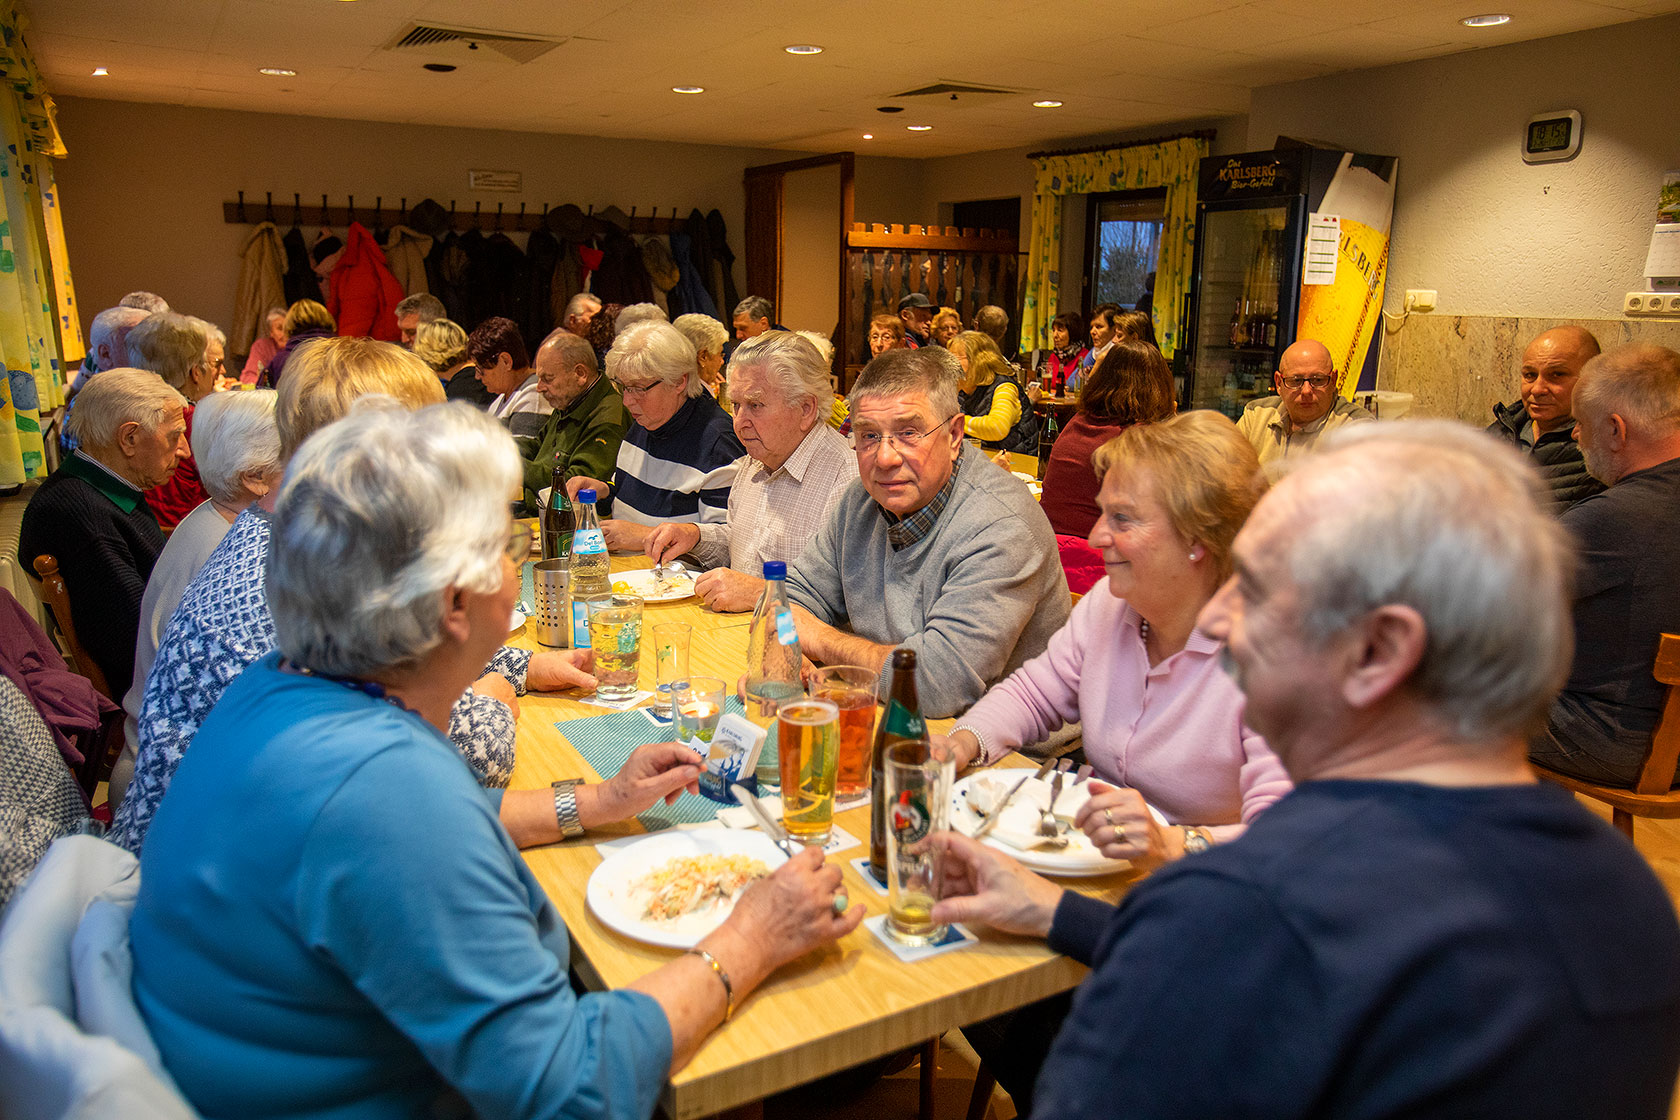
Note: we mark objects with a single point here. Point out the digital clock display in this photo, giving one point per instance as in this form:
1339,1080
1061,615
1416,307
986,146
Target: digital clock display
1550,135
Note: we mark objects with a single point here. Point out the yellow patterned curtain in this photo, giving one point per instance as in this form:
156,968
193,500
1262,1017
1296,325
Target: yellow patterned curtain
1170,164
31,331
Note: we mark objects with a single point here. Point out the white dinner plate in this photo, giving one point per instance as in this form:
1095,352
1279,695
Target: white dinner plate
611,891
1020,821
517,620
673,589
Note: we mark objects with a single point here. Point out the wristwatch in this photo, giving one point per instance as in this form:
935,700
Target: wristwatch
565,807
1196,840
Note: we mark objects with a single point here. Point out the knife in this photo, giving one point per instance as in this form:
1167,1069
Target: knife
760,814
997,810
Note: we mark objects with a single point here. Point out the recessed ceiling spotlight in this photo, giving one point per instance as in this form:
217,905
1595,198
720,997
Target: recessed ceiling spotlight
688,89
1492,19
803,48
100,72
889,108
1047,104
869,136
437,67
277,72
919,127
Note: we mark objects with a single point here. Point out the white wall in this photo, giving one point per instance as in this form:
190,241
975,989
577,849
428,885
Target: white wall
1493,235
811,249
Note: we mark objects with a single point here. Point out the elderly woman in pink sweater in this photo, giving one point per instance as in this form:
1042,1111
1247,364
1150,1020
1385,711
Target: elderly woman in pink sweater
1162,722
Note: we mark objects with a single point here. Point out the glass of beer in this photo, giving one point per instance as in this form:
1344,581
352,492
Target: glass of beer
851,688
917,802
808,735
615,633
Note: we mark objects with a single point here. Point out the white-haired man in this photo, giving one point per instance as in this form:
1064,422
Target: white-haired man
937,550
794,472
90,514
1420,928
579,310
107,349
1627,593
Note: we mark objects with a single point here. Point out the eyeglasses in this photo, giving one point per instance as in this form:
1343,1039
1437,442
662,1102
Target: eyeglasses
868,443
1319,382
882,337
638,390
519,544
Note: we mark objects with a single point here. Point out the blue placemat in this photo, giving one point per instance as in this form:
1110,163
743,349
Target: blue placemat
605,742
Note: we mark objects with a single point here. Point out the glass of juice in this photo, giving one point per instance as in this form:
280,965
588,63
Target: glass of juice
850,688
808,738
699,706
615,633
917,802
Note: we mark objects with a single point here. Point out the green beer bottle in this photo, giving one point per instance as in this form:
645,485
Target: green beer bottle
901,722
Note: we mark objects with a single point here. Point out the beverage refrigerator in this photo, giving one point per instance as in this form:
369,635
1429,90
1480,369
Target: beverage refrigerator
1254,287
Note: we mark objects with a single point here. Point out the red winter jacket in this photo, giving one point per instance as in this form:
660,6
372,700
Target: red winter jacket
363,295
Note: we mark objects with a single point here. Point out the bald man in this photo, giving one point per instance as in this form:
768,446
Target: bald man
1541,424
1307,406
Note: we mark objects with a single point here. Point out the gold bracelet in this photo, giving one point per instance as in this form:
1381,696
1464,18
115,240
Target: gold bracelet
728,988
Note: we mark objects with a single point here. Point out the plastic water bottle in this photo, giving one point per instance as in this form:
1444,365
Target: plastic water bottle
591,576
773,664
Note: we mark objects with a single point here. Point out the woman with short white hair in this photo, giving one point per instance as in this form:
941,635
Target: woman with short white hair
678,458
237,448
387,951
708,337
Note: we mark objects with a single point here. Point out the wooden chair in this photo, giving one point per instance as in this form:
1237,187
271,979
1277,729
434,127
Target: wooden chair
1650,795
56,594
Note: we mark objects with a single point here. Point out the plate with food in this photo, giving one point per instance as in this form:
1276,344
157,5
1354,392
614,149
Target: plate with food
974,798
674,888
670,587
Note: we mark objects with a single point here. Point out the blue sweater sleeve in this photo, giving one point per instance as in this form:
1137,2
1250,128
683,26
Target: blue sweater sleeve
410,886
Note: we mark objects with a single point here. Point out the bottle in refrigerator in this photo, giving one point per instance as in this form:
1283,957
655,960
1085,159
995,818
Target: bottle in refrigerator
590,573
773,664
558,522
901,722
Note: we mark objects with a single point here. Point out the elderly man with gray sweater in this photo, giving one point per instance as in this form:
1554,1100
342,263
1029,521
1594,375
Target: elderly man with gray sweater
934,549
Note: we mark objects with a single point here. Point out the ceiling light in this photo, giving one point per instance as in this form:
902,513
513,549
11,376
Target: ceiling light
438,67
688,89
1492,19
1047,104
869,136
919,127
803,48
100,72
277,72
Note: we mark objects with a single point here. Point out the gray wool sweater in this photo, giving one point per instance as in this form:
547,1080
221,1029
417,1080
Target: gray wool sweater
975,598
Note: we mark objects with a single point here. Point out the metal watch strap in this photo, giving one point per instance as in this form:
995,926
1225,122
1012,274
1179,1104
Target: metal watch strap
565,807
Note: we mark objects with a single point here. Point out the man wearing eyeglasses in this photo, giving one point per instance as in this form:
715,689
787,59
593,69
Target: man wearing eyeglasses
1307,405
936,549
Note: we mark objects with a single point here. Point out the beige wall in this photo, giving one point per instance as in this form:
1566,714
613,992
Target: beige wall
1493,235
811,249
143,186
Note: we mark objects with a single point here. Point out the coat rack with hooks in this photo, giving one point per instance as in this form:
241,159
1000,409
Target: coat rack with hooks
301,213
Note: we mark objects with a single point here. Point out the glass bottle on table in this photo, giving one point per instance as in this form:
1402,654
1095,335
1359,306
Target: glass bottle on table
1047,439
773,664
591,578
558,522
901,722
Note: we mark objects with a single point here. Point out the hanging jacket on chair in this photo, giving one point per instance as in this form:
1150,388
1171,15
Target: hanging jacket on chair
363,295
262,285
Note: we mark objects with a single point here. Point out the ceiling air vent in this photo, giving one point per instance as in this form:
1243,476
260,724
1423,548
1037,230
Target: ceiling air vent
435,38
955,88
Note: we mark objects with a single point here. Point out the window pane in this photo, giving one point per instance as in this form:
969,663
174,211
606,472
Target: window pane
1126,252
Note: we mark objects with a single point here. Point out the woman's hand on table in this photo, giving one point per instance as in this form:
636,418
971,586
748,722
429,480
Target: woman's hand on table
583,482
981,884
654,772
558,669
1121,826
498,687
961,747
624,536
727,591
671,540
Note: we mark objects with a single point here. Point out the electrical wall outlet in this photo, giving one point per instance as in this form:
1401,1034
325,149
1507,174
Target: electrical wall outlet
1651,303
1671,305
1420,299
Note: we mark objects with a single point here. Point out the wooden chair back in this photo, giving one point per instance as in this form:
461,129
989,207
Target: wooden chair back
1651,795
56,594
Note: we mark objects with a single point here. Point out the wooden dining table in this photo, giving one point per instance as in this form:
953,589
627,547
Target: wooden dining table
836,1007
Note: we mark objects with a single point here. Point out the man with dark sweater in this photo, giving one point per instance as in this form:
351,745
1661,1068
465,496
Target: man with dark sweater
1627,589
91,516
1541,423
582,434
1420,928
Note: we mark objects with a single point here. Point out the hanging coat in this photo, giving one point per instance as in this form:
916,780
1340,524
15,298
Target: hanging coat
622,277
262,285
689,295
363,295
405,256
723,271
542,252
300,277
507,282
700,252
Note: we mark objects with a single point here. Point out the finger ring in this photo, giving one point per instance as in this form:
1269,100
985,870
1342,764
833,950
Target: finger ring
840,902
1109,817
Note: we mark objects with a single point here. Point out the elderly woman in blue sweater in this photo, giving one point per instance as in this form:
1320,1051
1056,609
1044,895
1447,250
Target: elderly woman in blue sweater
332,919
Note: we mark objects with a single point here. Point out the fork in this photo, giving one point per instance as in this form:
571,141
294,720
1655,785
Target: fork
1047,825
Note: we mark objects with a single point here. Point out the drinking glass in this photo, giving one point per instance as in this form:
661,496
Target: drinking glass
699,707
851,688
615,633
670,659
808,737
918,802
761,700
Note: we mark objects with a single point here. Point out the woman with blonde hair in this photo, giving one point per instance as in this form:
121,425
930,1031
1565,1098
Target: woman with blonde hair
708,336
442,345
987,391
305,320
945,326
